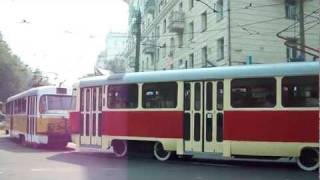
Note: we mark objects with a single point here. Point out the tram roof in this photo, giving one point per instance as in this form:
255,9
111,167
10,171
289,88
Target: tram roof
227,72
37,91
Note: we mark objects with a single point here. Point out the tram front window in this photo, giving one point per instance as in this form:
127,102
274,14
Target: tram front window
54,103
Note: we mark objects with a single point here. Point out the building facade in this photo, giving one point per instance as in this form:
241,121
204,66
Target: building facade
116,43
178,34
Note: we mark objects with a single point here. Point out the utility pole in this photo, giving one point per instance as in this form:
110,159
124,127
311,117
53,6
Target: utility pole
301,28
138,40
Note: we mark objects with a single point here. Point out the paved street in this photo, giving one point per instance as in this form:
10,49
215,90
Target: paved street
23,163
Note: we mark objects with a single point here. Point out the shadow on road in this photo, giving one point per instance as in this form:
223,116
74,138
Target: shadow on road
11,144
98,164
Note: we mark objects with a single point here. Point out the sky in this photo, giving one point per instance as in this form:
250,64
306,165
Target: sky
61,37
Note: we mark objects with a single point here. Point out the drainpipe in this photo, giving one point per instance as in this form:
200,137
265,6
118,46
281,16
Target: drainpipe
229,34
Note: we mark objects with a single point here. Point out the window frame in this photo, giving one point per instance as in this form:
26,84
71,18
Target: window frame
144,90
257,79
220,14
296,78
220,49
191,30
136,103
204,21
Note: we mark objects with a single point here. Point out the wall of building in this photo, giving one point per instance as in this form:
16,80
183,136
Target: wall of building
253,29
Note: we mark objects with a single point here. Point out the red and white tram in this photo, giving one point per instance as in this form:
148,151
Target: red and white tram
240,111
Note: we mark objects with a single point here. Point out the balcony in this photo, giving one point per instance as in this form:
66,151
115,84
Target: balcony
149,46
149,6
176,21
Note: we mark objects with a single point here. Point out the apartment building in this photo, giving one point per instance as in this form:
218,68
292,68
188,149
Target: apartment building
178,34
115,43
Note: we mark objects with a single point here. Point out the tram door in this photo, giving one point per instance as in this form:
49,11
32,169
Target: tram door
91,116
31,118
203,116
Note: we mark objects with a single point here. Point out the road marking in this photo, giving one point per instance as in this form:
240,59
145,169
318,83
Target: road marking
40,169
54,169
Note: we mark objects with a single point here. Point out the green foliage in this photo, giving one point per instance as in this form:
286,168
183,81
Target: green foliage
15,76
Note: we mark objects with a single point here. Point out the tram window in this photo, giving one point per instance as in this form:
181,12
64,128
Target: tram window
159,95
87,124
100,99
197,125
81,125
94,119
208,129
220,96
253,92
94,99
187,96
219,136
99,123
87,99
8,108
186,131
81,100
300,91
51,103
122,96
23,104
209,96
197,97
42,104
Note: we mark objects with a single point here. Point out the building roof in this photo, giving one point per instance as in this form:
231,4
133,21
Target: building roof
244,71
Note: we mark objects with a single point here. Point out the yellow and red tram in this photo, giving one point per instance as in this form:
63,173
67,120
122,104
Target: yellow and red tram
40,116
264,111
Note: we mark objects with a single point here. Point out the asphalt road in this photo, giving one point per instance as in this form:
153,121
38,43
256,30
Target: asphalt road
24,163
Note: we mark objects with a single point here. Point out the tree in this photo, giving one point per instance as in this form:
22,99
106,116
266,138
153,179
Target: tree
15,76
116,65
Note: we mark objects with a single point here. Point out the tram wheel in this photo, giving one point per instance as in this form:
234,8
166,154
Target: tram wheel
120,148
160,153
309,159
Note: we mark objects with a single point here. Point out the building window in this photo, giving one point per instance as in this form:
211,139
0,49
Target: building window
147,65
181,6
181,65
180,38
164,50
302,91
220,47
122,96
158,55
159,95
164,26
191,60
142,66
158,32
204,56
191,30
253,92
204,21
191,4
171,66
172,44
291,9
220,10
292,50
186,64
